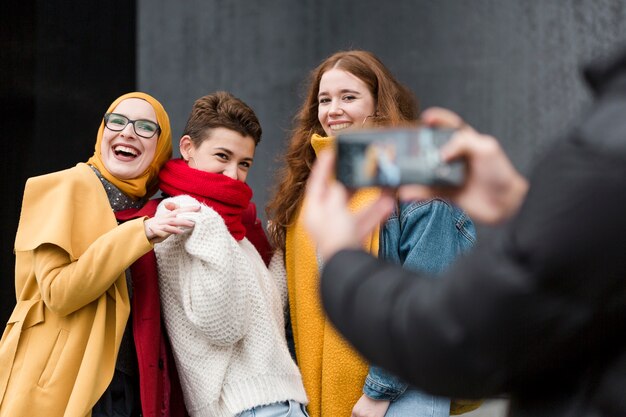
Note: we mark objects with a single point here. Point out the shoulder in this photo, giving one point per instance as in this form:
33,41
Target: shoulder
436,212
80,176
74,187
68,208
434,207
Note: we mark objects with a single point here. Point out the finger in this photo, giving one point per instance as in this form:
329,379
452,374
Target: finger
175,221
187,209
325,164
182,223
175,215
416,192
170,205
172,224
479,209
161,231
350,192
372,215
171,230
337,195
391,192
463,144
440,117
182,210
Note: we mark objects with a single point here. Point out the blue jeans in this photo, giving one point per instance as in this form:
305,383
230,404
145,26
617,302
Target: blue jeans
283,409
414,403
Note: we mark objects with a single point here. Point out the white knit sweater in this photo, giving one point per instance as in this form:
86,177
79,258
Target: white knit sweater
225,318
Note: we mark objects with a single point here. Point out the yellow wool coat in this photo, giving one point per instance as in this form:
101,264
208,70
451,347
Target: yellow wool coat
333,373
59,348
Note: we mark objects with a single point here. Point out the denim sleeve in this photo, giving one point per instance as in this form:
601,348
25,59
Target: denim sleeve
424,236
382,385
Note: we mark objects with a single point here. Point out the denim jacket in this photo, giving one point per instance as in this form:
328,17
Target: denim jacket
424,236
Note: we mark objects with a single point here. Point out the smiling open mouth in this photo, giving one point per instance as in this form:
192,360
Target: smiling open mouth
125,151
340,126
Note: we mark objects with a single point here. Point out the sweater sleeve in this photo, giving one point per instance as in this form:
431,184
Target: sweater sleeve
213,273
278,272
68,285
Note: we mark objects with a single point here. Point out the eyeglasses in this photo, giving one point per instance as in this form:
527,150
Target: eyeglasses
144,128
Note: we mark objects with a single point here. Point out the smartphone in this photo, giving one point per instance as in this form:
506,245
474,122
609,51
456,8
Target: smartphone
393,157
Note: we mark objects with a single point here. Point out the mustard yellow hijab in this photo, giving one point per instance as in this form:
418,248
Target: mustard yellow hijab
147,182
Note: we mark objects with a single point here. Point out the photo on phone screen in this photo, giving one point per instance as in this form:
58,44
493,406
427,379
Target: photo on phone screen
392,157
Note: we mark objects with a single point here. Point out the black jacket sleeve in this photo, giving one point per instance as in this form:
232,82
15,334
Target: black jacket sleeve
540,301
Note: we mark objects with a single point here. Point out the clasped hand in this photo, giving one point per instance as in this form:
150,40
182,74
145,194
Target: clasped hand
169,222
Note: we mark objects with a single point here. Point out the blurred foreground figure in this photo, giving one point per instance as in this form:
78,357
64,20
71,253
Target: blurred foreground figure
537,312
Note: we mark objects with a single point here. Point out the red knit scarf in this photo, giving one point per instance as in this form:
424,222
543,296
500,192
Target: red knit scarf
228,197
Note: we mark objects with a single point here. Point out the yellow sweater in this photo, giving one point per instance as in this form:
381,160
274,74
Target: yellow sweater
333,373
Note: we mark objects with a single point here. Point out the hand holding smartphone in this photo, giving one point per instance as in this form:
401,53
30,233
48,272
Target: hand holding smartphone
393,157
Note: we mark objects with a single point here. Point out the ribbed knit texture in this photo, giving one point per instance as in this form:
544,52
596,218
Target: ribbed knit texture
224,316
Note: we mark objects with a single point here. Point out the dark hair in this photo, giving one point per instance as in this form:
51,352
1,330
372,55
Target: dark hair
221,109
394,105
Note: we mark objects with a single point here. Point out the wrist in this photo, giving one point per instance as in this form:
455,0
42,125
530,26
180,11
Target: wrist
150,235
516,195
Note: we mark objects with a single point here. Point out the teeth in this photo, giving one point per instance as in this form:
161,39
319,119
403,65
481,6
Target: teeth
340,126
125,149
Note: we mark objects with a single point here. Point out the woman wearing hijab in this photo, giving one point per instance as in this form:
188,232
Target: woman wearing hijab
67,348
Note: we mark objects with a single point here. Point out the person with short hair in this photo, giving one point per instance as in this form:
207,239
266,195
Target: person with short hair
223,308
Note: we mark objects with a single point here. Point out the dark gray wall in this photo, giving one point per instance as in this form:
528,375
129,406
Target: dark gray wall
510,67
60,68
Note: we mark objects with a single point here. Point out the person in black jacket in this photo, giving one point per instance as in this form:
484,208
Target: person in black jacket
538,312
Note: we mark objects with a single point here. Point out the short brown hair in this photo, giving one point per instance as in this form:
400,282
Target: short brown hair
221,109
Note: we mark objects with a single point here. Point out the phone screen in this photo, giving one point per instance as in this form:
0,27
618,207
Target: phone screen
392,157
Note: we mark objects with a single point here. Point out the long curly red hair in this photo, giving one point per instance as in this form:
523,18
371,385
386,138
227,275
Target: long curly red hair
394,105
